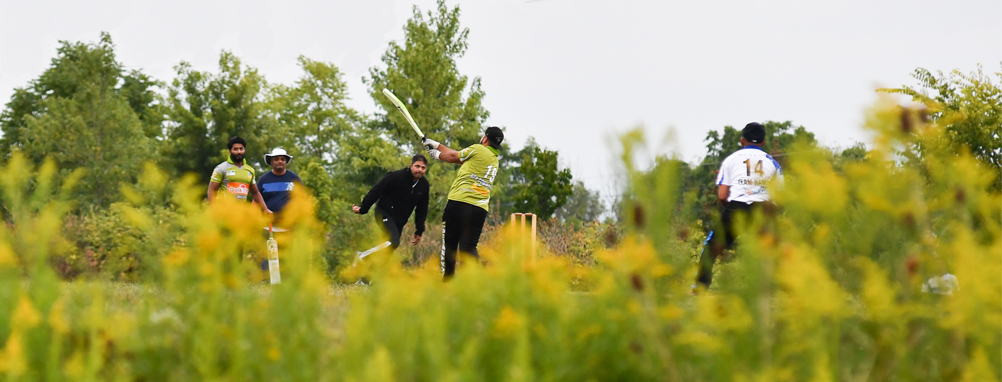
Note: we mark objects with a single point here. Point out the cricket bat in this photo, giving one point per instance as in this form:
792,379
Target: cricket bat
276,276
403,109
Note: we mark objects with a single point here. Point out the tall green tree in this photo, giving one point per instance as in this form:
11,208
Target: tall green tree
314,123
539,186
583,205
312,113
206,109
85,112
422,72
968,106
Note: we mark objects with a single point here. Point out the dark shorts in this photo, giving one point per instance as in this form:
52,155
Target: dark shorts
723,237
728,219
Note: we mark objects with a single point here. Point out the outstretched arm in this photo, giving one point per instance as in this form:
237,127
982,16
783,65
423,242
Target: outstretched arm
447,155
372,196
439,151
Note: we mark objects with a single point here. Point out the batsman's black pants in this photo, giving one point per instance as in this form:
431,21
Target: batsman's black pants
462,224
723,237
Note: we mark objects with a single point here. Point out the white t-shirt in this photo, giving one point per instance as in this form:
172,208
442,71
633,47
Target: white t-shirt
748,172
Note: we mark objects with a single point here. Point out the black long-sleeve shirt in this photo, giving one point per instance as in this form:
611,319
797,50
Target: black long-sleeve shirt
398,194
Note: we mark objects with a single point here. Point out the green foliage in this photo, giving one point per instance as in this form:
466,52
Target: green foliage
83,112
345,232
583,205
207,109
538,185
313,112
970,108
422,73
108,245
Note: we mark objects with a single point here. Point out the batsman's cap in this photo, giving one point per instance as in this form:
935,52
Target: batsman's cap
753,132
277,152
495,135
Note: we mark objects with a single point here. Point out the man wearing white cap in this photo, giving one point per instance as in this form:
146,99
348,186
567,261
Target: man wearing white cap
276,185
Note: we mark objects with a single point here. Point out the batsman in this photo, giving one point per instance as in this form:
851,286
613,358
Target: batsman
466,210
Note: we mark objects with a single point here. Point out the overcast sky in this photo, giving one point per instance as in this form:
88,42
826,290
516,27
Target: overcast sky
569,73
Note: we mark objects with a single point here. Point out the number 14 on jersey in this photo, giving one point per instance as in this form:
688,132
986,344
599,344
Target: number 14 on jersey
758,167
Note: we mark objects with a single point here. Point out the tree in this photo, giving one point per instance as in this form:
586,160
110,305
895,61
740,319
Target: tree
970,109
313,121
422,73
312,113
582,205
539,186
85,113
205,110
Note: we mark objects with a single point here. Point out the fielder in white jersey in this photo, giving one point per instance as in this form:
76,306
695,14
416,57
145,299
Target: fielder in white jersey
745,175
743,182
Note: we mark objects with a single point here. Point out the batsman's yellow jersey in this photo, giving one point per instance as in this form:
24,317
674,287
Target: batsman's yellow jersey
476,176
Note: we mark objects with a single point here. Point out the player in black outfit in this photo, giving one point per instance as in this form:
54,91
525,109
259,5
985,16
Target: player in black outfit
398,194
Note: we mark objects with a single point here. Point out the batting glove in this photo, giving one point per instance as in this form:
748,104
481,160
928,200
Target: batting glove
433,153
430,144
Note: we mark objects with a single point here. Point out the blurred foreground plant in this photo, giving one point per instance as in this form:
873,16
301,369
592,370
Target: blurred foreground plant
829,287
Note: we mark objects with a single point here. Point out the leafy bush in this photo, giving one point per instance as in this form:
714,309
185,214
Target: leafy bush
109,245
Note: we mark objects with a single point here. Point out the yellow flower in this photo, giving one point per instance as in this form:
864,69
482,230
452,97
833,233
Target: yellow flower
7,258
808,292
979,369
74,367
25,316
878,293
379,366
57,319
508,322
177,258
12,358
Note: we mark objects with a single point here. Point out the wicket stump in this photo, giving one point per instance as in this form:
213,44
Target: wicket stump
521,230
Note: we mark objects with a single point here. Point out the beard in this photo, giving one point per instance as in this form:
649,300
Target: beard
237,157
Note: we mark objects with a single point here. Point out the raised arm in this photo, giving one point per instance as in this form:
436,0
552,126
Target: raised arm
448,155
438,151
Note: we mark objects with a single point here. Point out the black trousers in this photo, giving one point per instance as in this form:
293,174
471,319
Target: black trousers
723,237
462,224
391,227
